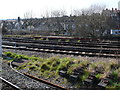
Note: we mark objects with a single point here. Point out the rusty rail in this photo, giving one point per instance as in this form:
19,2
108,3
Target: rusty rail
38,79
45,81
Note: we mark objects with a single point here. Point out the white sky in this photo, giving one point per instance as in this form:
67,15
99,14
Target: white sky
11,9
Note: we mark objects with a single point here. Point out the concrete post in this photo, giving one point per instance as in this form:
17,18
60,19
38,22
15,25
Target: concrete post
1,41
0,55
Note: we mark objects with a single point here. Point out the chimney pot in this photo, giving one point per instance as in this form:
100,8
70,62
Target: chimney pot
112,9
106,8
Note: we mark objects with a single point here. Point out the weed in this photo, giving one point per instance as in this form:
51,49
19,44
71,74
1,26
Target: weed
8,54
59,40
78,41
45,67
115,75
41,39
32,67
47,39
67,40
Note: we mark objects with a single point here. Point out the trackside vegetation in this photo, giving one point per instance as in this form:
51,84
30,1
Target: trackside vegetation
72,69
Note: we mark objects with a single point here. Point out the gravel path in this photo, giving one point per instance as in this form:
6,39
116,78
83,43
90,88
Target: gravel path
22,81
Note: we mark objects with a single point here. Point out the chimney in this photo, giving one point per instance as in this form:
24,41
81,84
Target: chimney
18,19
115,8
112,9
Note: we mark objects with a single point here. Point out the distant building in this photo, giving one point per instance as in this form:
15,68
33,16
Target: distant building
115,32
114,14
111,13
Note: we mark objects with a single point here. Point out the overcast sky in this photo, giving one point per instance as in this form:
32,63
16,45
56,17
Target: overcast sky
11,9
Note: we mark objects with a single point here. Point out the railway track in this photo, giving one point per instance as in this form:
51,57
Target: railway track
22,81
9,85
104,44
88,45
101,49
65,52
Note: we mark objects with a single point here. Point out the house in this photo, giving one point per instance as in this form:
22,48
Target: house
115,32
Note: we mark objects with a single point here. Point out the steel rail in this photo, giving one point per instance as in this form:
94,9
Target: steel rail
63,52
67,48
87,45
10,84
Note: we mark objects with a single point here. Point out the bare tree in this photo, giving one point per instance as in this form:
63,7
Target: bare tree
58,13
93,9
77,12
46,14
91,22
28,21
28,15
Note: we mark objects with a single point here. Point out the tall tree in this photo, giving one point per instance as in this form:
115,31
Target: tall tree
91,22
